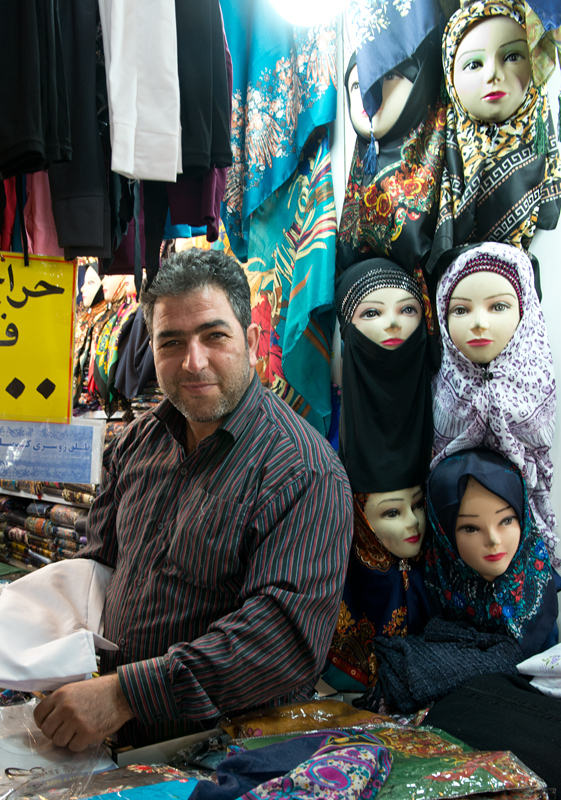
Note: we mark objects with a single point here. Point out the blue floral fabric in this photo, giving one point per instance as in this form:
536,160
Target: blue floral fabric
285,86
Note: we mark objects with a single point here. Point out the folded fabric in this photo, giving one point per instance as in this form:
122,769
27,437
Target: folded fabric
50,623
414,671
546,667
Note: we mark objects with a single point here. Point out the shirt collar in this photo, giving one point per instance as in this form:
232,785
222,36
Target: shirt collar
234,424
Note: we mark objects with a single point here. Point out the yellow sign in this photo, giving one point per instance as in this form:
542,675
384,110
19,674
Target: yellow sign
36,338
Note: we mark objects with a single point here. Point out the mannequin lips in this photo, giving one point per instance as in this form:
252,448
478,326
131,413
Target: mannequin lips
494,556
413,539
494,95
392,342
480,342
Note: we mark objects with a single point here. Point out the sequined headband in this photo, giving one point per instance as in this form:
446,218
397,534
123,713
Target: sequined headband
379,278
485,262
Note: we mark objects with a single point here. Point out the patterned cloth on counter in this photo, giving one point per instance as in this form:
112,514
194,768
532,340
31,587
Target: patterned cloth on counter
509,405
495,186
345,768
285,86
546,667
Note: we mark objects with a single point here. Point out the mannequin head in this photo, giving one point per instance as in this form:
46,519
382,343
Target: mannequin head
396,89
398,520
483,314
388,316
492,70
117,287
91,286
487,531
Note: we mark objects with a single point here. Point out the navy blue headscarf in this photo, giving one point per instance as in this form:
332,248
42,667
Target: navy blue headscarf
521,602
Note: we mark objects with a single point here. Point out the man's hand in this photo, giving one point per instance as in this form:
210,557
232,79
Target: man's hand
83,713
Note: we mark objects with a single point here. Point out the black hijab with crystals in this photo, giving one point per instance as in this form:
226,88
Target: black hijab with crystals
386,427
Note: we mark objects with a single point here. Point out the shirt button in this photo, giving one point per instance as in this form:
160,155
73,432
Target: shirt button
183,471
160,525
122,642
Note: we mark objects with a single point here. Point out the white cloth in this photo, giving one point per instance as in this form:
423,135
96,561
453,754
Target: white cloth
140,49
546,667
50,623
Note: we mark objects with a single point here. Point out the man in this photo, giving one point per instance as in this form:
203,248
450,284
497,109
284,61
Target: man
227,519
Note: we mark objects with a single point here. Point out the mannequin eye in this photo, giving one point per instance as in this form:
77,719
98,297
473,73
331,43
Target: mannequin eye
391,513
355,86
500,306
467,529
471,66
410,310
514,57
370,313
419,505
458,311
393,76
508,521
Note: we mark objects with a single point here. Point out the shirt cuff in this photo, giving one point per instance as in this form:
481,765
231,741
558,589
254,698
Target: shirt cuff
148,691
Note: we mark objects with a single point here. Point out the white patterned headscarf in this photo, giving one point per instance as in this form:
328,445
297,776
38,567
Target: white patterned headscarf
508,405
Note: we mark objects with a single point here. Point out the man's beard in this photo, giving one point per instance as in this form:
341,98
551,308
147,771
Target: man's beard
232,392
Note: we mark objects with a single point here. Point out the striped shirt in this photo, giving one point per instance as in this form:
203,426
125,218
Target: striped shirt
229,563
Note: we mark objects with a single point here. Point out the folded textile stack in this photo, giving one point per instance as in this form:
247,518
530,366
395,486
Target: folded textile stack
36,533
149,398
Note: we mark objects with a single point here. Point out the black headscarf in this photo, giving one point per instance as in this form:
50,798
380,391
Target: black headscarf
386,416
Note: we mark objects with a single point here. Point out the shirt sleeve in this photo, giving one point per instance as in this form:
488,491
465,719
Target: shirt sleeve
102,541
277,640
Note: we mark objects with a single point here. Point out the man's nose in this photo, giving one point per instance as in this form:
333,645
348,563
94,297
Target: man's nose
195,359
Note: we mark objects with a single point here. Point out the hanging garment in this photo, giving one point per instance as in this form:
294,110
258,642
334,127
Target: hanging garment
290,269
107,354
140,46
386,428
79,189
508,405
35,123
285,80
495,185
522,602
392,213
42,238
383,596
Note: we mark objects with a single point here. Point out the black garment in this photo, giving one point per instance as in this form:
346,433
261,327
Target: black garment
79,189
503,712
135,367
34,125
386,426
203,86
414,671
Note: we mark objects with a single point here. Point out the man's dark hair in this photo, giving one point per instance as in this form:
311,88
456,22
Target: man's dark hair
192,270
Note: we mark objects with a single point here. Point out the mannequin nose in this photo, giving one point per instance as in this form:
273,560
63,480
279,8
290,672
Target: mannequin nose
493,538
393,322
480,321
493,70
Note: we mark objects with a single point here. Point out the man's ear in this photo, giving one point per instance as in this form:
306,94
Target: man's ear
252,334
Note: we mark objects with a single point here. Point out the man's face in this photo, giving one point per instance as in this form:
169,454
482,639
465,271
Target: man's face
203,360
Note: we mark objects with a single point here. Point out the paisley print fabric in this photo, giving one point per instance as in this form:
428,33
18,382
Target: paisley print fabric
521,602
495,185
509,406
344,768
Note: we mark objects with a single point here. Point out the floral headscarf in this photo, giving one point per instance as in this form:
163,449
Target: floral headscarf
522,601
509,405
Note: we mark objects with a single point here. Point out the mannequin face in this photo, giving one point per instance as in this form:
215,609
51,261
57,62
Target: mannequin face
388,316
487,531
483,315
395,92
92,282
398,520
114,284
492,70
